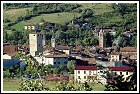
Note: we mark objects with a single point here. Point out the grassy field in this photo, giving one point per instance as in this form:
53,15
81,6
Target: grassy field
14,84
13,14
59,18
98,8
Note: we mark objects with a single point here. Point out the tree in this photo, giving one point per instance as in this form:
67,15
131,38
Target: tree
121,84
32,85
121,42
87,13
71,65
134,41
108,39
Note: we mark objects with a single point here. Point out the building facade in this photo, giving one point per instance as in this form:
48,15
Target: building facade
56,60
96,74
115,57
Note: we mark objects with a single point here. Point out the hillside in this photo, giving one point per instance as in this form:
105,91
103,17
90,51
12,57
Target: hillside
85,17
13,14
59,18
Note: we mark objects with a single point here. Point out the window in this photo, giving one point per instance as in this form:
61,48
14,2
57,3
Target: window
84,72
120,73
115,74
84,77
34,34
54,62
65,62
58,62
89,72
78,72
78,77
126,73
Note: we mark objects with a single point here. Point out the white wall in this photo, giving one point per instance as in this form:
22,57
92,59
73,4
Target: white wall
99,73
84,75
58,61
115,57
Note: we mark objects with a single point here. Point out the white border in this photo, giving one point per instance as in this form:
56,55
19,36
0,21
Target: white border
70,2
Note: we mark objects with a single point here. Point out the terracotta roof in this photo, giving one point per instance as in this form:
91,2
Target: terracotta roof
133,57
115,53
128,49
90,60
63,47
56,55
121,68
12,54
85,68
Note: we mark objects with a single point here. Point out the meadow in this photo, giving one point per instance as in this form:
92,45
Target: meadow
13,84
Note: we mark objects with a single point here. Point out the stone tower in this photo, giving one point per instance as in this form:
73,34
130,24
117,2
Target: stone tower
43,39
53,44
101,39
35,43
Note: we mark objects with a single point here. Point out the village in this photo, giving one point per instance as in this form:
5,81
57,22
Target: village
70,47
88,60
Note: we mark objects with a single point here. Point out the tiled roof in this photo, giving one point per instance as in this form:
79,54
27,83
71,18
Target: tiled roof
63,47
110,68
115,53
56,55
121,68
12,54
85,68
128,49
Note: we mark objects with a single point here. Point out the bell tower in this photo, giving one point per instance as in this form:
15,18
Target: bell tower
101,38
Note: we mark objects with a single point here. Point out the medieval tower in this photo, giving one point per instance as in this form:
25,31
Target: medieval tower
35,42
101,39
53,44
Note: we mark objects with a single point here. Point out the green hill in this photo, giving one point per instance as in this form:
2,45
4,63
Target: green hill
59,18
13,14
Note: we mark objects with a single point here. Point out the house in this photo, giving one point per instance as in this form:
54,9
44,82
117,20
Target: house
89,73
65,49
128,50
115,56
9,48
125,71
97,74
10,60
55,58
